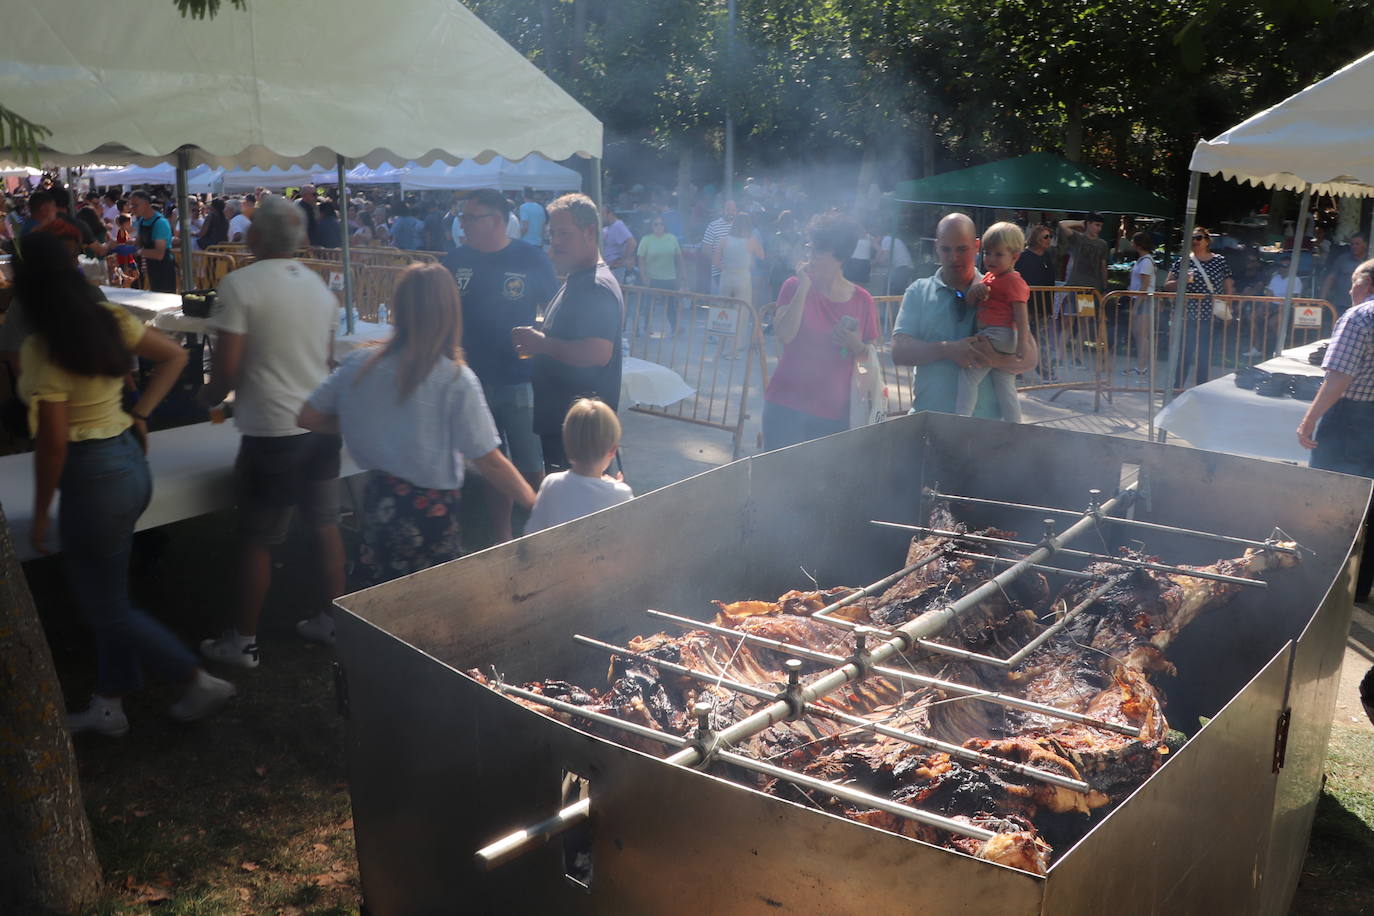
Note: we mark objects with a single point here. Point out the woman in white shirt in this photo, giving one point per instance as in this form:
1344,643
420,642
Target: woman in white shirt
409,412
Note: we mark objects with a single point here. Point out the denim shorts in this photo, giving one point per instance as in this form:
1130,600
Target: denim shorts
512,407
275,474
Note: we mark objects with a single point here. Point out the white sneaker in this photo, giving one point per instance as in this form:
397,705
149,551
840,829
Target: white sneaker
231,649
206,695
319,628
105,716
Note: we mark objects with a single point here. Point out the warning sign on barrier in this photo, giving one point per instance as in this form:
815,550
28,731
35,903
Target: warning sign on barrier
724,320
1307,316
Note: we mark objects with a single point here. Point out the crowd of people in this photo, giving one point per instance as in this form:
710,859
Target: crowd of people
472,377
413,412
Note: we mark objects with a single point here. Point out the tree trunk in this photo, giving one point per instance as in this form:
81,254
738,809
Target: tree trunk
684,180
1073,133
864,199
553,61
47,859
1279,202
577,45
925,142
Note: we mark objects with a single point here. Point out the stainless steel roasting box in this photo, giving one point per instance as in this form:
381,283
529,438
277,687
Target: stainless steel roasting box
440,765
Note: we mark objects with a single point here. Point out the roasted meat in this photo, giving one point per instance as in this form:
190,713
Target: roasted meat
1098,664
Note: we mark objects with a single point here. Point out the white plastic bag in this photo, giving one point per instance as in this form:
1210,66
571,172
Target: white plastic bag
867,393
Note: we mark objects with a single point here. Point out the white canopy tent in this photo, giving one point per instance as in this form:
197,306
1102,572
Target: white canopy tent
280,84
274,177
362,175
499,173
1314,141
15,170
199,180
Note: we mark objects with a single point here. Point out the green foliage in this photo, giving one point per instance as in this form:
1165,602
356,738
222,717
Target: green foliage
1129,87
21,137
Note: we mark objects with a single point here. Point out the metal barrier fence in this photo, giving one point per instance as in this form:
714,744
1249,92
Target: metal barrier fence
1066,327
712,342
1211,346
1094,342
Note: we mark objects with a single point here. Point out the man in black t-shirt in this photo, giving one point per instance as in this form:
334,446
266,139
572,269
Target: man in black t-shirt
577,354
503,282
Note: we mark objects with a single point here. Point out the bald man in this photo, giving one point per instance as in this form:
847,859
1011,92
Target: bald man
935,329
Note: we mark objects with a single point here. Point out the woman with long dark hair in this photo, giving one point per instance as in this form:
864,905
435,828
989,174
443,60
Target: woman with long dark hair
72,369
409,412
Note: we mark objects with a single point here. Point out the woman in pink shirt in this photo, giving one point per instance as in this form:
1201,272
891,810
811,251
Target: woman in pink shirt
825,324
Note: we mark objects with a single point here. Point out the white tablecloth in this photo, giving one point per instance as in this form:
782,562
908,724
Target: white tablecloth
363,331
643,382
1220,417
143,305
192,468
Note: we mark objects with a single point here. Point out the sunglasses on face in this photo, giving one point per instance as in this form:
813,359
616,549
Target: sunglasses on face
1201,238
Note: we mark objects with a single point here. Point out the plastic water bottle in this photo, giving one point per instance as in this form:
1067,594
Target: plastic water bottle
381,313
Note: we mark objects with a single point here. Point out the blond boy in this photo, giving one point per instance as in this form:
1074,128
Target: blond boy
591,436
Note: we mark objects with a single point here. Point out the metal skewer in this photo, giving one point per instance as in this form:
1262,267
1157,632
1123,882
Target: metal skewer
975,693
868,591
1102,557
1021,654
844,793
857,669
1129,522
1007,561
954,750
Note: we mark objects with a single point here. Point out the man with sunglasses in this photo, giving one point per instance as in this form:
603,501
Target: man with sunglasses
503,282
936,331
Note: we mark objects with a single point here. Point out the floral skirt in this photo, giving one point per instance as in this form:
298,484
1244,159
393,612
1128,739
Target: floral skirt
405,528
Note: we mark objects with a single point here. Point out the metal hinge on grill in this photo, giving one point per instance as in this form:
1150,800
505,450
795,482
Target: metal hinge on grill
341,690
1281,738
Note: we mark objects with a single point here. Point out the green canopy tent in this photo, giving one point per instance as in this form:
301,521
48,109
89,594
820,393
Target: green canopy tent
1038,181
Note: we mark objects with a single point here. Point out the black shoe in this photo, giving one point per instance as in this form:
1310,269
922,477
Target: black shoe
1367,688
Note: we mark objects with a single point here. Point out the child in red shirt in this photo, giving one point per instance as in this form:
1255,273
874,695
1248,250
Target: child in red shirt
1002,320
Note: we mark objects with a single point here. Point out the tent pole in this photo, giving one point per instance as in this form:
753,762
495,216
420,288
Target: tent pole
1299,233
344,234
1178,323
188,270
594,192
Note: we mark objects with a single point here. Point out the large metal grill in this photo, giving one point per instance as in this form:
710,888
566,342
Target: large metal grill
442,765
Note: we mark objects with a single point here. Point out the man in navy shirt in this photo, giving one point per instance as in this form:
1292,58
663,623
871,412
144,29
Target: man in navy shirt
577,354
503,282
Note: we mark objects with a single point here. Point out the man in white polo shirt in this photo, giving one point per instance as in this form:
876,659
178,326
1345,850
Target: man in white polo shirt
275,324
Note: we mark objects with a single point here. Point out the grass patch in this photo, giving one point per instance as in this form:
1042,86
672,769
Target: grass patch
1338,876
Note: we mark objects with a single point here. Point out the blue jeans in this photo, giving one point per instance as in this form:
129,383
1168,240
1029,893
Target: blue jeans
783,426
1345,443
105,488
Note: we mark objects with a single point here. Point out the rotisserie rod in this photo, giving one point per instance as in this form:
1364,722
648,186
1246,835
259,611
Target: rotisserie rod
954,750
912,677
1270,544
902,640
1085,554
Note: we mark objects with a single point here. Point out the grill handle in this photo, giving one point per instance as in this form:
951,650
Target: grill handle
514,845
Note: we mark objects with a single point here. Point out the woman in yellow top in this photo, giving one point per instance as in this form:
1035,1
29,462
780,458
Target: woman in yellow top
72,368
